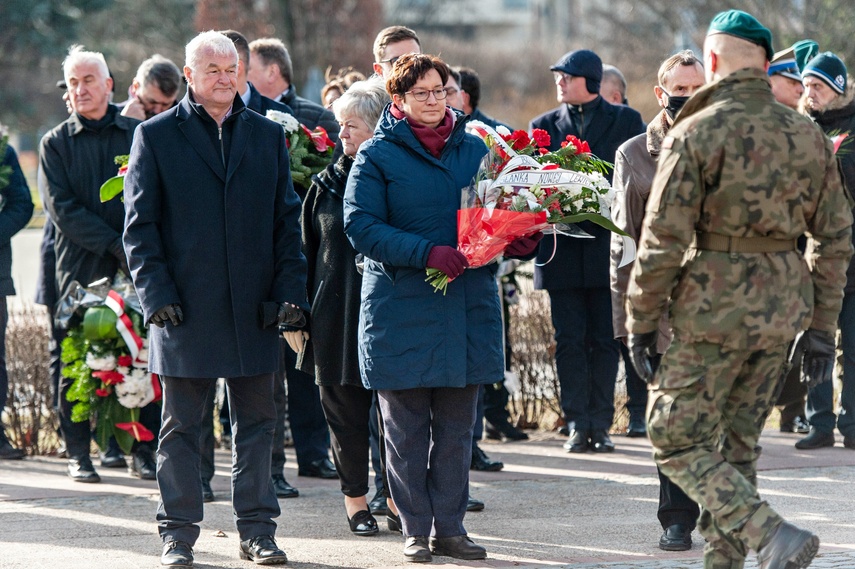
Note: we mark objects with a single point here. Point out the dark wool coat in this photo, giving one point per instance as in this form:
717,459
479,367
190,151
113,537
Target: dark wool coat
839,118
400,202
218,240
74,161
583,263
16,209
334,283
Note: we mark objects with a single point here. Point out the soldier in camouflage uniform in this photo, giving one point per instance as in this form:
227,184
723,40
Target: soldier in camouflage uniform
739,179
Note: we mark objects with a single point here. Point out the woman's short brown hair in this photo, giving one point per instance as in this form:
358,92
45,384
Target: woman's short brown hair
408,69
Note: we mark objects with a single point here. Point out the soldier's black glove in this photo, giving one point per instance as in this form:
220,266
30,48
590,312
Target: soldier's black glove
642,351
118,251
170,312
819,355
290,315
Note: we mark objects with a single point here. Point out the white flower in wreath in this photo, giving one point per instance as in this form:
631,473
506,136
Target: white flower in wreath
105,362
137,389
502,130
288,122
142,359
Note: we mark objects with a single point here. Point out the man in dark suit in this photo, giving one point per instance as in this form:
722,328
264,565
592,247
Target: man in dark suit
213,241
577,276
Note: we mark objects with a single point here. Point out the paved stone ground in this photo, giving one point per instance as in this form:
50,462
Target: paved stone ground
545,509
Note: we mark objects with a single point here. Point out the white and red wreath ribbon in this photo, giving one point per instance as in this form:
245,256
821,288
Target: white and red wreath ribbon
124,324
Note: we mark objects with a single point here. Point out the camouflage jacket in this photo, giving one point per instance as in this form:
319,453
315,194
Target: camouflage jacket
738,164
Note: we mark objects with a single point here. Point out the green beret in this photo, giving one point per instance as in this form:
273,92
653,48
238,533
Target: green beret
804,51
744,26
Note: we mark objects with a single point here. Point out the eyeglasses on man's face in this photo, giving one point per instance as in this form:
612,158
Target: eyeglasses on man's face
421,95
560,76
391,61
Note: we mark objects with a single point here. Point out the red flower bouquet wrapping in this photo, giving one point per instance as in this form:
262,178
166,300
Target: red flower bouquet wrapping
521,188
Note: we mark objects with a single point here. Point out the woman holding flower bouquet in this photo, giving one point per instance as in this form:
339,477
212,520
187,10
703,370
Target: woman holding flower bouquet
425,353
334,284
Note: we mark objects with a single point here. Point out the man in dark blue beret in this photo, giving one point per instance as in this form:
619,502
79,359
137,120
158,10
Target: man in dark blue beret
577,278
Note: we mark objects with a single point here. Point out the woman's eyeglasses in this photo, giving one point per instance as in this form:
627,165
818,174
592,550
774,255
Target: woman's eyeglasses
422,96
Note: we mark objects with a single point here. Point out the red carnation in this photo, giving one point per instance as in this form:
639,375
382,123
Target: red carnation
125,360
541,137
519,139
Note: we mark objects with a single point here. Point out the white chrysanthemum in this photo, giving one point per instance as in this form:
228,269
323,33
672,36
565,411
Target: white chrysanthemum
503,130
106,362
136,391
288,122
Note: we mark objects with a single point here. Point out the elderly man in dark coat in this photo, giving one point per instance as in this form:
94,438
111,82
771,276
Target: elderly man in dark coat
576,272
213,241
75,158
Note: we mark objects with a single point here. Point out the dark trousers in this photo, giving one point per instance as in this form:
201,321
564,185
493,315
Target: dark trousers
791,401
4,374
820,400
302,404
376,440
348,412
586,356
428,454
178,456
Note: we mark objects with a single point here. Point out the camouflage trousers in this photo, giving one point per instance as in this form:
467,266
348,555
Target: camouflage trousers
705,412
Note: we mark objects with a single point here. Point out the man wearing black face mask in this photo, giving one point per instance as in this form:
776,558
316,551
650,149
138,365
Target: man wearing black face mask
635,164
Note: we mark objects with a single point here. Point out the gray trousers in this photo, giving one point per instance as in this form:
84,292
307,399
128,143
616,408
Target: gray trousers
428,454
179,459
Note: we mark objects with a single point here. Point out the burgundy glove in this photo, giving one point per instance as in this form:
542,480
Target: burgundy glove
448,260
523,246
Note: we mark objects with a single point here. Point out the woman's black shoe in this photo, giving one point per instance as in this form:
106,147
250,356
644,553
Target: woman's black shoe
393,522
363,523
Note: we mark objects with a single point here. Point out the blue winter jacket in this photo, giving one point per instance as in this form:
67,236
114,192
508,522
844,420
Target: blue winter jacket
400,202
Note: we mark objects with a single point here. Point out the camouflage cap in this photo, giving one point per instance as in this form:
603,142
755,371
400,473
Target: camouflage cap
744,26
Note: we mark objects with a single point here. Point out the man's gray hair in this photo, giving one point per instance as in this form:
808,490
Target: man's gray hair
614,75
77,55
365,99
160,72
212,42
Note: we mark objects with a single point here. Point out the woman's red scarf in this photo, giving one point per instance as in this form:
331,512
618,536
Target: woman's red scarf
433,139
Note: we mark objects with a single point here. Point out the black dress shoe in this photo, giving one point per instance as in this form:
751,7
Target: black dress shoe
323,468
113,459
578,442
504,430
798,425
459,547
849,442
282,488
207,492
564,431
480,461
8,452
676,537
416,549
81,470
363,523
393,522
789,547
816,439
142,464
377,505
262,550
176,554
637,429
473,505
600,442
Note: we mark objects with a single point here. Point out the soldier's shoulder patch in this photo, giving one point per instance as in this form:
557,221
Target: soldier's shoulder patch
668,142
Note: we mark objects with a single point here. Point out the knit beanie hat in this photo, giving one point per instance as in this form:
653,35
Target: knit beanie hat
582,63
828,68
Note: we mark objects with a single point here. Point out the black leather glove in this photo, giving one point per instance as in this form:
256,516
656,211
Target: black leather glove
819,352
118,251
642,351
170,312
290,315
